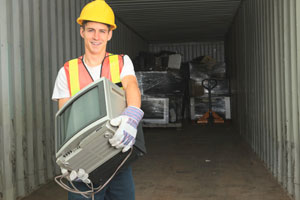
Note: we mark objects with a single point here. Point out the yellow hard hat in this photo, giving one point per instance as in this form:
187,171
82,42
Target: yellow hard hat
98,11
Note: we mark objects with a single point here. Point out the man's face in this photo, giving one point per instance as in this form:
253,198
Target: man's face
96,36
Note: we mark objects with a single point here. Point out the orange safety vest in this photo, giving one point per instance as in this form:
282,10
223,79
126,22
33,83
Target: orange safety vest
79,77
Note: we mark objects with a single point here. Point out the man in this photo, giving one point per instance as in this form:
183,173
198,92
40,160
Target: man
97,22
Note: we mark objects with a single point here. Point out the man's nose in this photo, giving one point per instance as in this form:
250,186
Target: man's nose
97,35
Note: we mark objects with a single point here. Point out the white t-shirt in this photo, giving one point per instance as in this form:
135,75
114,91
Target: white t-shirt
61,89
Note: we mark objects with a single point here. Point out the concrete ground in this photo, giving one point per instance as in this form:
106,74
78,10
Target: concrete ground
195,163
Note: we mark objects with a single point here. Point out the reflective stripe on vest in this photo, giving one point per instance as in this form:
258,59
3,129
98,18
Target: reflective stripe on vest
114,69
78,76
74,76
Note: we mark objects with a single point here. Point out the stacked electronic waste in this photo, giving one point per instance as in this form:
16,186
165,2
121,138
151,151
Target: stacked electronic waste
172,90
161,85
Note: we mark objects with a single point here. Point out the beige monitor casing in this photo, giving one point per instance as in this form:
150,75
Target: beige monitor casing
90,148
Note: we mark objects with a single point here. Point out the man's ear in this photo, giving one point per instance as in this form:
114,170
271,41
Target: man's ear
81,31
110,35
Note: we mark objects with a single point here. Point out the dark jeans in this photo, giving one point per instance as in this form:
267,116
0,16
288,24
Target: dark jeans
121,187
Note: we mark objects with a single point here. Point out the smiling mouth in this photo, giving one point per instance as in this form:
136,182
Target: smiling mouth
96,43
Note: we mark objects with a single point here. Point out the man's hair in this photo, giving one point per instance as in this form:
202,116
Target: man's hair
84,22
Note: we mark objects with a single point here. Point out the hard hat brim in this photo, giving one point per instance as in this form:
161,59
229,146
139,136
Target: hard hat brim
80,21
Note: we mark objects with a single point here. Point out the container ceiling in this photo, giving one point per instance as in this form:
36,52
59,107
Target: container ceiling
163,21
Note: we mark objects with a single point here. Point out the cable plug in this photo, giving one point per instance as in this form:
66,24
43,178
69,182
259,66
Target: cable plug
82,175
73,175
64,171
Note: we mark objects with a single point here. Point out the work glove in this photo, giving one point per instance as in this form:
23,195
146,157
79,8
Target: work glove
127,122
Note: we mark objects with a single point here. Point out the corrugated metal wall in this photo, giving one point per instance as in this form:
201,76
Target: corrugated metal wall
124,41
192,49
263,53
37,37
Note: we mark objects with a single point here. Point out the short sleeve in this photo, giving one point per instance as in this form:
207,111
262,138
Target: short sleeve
128,68
61,89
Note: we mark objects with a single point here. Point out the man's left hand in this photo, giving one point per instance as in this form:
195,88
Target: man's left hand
127,122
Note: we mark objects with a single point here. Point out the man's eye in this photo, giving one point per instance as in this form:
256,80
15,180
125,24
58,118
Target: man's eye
90,30
103,31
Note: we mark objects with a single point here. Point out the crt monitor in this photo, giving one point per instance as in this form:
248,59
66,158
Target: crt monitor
83,128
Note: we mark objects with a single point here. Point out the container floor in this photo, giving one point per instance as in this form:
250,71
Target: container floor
195,163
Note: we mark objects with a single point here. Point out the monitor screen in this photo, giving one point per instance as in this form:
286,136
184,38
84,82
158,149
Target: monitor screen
83,127
156,110
85,110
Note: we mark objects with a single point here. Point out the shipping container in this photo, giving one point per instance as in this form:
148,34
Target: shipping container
257,40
